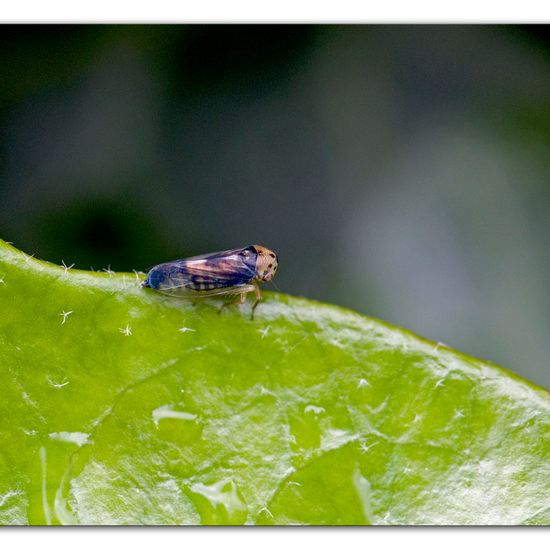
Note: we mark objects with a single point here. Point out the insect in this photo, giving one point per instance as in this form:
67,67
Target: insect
228,273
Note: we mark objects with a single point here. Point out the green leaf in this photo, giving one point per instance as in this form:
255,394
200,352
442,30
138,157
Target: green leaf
123,406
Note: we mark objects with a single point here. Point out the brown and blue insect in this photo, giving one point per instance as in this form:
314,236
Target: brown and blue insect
228,273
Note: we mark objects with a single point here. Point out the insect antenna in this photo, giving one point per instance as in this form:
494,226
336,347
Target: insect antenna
273,283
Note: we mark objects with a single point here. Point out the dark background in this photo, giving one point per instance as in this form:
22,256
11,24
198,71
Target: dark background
401,171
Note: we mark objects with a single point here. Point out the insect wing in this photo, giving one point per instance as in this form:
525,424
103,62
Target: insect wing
209,272
234,253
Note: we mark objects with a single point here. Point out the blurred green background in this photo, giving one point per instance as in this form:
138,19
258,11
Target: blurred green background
401,171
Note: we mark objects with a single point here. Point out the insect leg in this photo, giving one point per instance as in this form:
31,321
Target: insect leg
232,303
222,307
258,298
241,293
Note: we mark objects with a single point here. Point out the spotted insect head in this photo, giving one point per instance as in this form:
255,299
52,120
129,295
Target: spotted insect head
266,263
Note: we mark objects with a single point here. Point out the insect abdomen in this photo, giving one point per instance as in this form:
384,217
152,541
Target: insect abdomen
162,278
201,283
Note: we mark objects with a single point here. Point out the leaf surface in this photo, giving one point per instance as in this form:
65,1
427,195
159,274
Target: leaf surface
122,406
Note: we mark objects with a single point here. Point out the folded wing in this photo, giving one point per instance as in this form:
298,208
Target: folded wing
205,273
